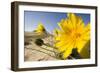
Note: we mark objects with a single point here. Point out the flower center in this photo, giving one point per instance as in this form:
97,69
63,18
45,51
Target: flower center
78,35
75,34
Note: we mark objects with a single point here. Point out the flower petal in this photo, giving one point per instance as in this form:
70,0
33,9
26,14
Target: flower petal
73,19
67,52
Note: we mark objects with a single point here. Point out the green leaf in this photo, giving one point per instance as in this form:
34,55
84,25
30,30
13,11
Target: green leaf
85,53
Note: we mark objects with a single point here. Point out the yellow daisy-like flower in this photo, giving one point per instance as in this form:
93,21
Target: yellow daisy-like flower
40,28
73,33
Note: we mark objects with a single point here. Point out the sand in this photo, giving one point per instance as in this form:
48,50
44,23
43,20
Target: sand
34,52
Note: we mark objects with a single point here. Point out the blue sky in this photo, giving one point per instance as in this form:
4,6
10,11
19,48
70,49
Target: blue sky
48,19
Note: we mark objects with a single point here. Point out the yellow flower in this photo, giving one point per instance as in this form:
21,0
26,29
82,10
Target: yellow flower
73,33
40,28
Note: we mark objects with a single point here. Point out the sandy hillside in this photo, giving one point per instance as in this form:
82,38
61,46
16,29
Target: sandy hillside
34,52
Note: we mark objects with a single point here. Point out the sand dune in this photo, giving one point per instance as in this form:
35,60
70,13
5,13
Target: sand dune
34,52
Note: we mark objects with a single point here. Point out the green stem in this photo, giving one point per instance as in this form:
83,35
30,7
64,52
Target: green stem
48,50
54,49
